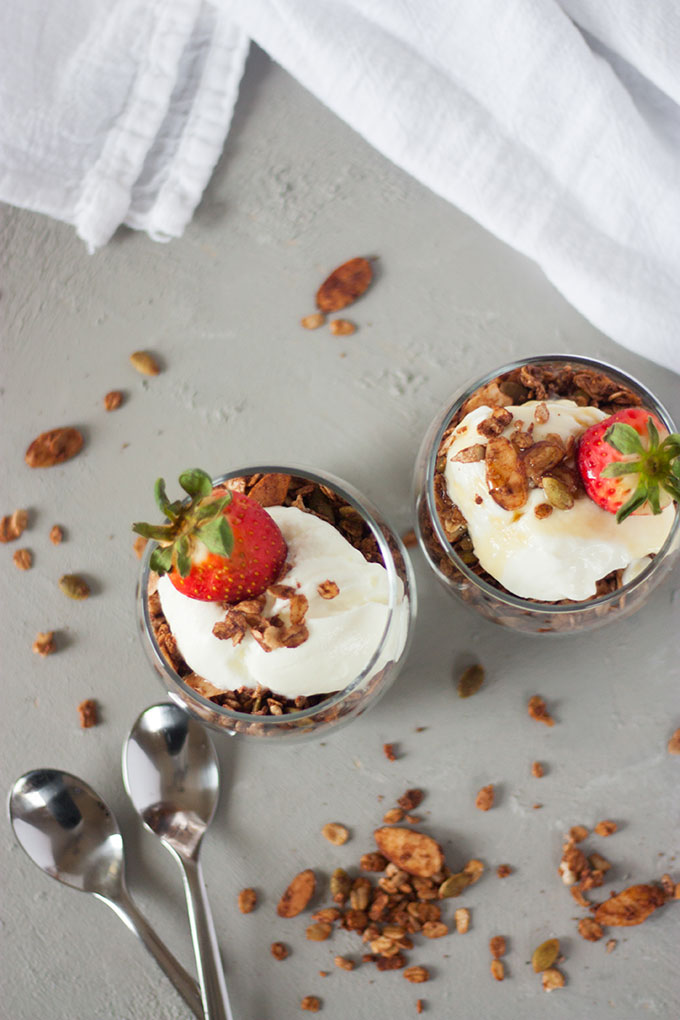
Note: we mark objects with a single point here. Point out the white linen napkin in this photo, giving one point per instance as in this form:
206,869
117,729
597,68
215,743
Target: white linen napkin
554,124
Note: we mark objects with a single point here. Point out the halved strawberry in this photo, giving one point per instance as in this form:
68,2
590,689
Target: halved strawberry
630,464
219,547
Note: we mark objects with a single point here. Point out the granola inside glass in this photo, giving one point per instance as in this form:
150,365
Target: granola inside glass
512,522
318,645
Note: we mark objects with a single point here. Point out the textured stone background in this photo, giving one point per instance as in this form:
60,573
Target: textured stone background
295,194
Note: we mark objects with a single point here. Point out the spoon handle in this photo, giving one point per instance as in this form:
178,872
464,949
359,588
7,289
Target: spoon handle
137,923
210,974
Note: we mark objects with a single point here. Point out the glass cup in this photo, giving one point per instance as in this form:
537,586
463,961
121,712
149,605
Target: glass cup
492,601
339,707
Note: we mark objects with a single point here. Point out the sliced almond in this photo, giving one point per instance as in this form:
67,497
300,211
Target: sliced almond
54,447
505,474
297,895
632,906
344,285
410,850
144,362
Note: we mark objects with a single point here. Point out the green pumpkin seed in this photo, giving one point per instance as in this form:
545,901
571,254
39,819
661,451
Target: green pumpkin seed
471,680
73,586
454,885
545,955
557,493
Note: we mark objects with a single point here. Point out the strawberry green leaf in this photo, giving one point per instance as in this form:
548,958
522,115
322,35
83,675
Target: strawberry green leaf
213,509
217,536
196,482
183,556
653,434
653,497
617,468
161,560
634,503
624,438
158,532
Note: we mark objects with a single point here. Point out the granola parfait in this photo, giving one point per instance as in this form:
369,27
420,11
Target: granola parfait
273,603
547,494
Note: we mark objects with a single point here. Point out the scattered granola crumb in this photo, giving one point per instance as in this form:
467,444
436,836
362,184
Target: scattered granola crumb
342,327
328,590
56,534
335,833
538,711
462,919
410,800
311,1003
497,969
344,963
393,815
417,975
144,362
542,510
372,862
419,1005
551,979
413,819
278,950
590,930
409,538
323,973
420,729
247,900
470,681
389,752
537,807
674,743
44,643
668,886
113,400
503,870
607,828
578,833
139,545
313,321
611,945
537,770
485,798
319,931
23,559
497,946
12,526
87,712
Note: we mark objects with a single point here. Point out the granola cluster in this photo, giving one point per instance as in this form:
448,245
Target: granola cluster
273,489
517,464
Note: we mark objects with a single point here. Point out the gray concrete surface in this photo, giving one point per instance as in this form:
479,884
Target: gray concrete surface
295,194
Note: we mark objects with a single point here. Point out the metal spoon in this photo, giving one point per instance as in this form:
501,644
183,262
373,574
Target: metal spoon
70,833
171,774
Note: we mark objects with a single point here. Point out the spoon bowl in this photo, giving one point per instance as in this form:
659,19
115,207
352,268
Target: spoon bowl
171,774
68,831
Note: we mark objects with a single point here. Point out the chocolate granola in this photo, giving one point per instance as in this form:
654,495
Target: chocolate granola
271,490
545,461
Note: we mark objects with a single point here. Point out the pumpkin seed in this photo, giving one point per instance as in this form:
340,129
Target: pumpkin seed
454,885
470,681
545,955
557,493
73,586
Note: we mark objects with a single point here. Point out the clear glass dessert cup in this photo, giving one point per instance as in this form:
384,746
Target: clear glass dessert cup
339,707
494,602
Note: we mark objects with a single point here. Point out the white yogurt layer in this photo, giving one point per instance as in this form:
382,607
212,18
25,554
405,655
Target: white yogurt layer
344,632
557,557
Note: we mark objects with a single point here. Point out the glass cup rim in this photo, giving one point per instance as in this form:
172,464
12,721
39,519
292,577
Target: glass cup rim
529,605
367,510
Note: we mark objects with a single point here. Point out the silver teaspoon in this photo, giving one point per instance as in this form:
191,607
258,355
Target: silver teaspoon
71,834
170,772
